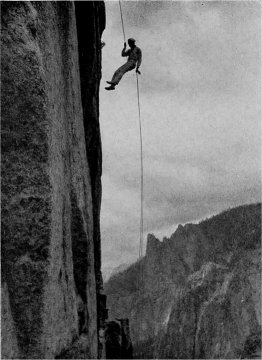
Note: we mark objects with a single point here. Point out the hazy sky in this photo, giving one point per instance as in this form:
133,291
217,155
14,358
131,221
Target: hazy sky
200,102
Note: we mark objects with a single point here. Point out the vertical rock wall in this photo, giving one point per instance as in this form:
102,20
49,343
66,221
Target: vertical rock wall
50,187
117,340
90,16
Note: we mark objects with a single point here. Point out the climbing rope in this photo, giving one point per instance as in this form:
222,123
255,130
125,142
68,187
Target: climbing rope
141,176
123,28
141,275
141,232
141,149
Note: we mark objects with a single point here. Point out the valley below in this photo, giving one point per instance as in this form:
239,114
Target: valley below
196,294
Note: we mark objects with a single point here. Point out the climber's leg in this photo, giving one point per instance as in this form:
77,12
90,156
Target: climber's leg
129,65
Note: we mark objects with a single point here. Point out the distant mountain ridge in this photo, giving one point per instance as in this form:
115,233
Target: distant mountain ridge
109,272
201,292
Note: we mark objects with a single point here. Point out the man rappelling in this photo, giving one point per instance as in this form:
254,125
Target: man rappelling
134,61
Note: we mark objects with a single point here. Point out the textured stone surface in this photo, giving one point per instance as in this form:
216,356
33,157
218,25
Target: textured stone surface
212,318
50,246
8,336
90,16
201,294
165,268
117,340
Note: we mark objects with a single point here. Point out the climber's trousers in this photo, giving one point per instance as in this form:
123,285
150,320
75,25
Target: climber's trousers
129,65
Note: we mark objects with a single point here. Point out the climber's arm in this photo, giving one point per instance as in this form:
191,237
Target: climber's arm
124,52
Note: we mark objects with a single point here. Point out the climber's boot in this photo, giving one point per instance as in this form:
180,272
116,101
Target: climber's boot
111,87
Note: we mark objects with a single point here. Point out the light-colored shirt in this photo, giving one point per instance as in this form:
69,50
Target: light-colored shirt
134,54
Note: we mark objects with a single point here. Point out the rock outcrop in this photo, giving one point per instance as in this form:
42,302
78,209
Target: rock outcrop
201,290
51,178
117,340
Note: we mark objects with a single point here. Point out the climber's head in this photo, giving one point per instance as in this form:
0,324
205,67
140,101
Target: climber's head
131,42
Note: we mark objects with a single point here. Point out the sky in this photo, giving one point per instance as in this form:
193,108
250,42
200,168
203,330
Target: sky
200,95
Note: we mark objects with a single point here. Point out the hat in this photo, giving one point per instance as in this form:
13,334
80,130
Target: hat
132,40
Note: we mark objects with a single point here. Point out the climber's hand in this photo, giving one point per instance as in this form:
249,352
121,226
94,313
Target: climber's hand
124,44
137,71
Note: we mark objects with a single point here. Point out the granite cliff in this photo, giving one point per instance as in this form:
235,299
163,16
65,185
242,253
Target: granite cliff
51,178
200,296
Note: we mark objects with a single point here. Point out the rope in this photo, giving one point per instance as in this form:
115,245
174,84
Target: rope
123,28
142,173
141,232
140,277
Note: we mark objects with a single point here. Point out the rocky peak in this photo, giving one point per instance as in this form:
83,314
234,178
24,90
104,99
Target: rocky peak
202,290
153,246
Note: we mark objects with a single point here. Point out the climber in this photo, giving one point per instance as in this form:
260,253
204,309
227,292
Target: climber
134,60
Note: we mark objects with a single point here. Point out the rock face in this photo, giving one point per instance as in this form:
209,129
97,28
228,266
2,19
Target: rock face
51,169
117,340
201,290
